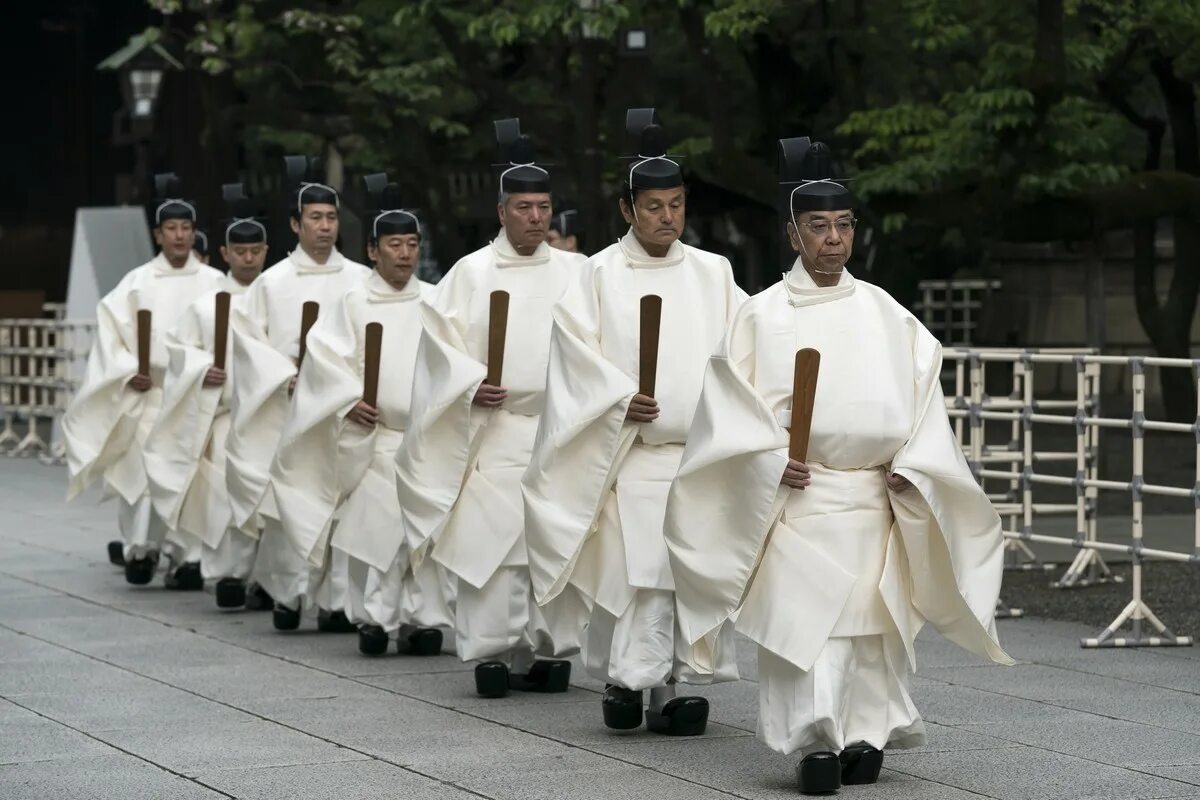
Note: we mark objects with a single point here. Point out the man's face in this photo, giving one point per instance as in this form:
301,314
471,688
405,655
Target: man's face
245,260
317,228
660,215
560,242
825,239
526,218
395,257
175,238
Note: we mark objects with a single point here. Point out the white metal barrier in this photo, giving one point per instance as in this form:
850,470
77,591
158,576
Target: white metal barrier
40,369
971,405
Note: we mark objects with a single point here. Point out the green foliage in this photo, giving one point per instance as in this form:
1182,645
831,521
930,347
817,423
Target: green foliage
926,100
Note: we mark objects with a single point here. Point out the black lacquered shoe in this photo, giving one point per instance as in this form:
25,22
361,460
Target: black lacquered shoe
185,578
548,676
819,773
372,640
334,622
421,642
285,619
860,764
230,593
491,679
116,553
680,716
622,708
257,599
140,571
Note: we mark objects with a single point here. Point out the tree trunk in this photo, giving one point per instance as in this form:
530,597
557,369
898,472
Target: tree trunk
1175,334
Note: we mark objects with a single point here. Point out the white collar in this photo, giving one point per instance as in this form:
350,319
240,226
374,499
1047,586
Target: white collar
230,284
507,256
802,290
305,263
636,255
380,291
163,268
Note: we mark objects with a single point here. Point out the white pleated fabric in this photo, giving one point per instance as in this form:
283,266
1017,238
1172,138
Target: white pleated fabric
500,620
292,581
458,472
835,581
856,691
142,530
233,557
400,596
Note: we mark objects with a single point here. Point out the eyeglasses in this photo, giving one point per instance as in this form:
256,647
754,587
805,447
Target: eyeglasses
820,227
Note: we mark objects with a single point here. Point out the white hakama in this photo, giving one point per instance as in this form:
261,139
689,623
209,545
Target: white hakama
107,424
334,480
596,489
185,453
264,347
459,470
833,582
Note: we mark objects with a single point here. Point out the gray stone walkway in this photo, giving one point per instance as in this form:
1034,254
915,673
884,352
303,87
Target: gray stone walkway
110,691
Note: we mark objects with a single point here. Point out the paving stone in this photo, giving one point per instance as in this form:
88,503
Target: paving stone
1125,744
255,713
1025,773
351,780
115,777
192,748
38,739
581,723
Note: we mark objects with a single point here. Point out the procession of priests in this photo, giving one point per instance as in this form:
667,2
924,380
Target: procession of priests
620,462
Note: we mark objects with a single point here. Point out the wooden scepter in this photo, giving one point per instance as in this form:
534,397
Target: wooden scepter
497,332
143,341
804,393
221,330
374,346
308,318
651,321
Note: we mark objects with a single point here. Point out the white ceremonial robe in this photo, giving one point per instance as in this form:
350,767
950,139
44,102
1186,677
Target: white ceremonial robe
185,453
264,346
327,464
458,472
833,583
107,423
596,489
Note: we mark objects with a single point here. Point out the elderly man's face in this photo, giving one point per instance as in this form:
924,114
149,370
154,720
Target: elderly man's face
526,218
824,239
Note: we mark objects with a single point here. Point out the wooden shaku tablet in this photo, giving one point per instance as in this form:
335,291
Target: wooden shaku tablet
804,392
373,347
221,330
651,321
308,318
143,341
497,331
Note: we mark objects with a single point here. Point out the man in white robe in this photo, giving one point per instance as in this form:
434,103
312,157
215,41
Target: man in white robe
185,454
833,565
265,348
106,425
459,468
337,453
596,488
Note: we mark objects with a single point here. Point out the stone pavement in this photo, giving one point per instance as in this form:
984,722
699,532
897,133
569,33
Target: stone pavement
110,691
